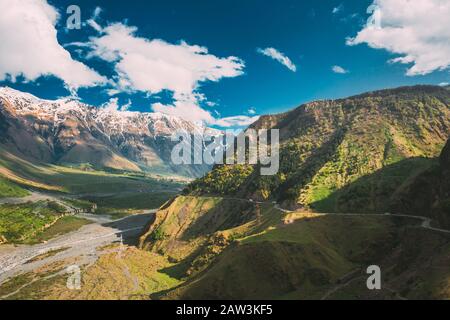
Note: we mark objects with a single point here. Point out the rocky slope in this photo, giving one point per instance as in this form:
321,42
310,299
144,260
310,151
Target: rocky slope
69,132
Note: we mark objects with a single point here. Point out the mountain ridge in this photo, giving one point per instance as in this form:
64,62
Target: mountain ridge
346,168
66,131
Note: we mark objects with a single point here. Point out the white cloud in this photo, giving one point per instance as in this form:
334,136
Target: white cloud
251,111
97,12
236,121
155,65
29,46
418,31
126,106
94,25
338,9
185,106
278,56
93,20
339,69
444,84
112,92
113,105
354,18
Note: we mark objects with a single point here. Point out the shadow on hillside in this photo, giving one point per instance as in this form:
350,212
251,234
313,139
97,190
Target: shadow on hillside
132,227
376,192
180,269
227,214
311,166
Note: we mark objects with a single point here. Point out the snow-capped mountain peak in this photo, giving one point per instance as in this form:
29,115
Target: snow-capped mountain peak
111,120
69,131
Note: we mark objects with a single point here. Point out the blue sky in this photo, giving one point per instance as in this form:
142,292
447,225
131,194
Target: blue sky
310,36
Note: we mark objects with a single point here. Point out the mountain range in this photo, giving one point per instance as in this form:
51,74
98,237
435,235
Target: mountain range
71,133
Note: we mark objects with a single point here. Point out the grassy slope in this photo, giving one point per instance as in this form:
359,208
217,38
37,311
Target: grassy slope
417,268
21,222
274,255
428,193
372,193
300,260
120,273
291,256
187,219
9,189
24,173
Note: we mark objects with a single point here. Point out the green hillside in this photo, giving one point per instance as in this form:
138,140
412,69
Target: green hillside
327,145
21,222
231,249
428,194
373,153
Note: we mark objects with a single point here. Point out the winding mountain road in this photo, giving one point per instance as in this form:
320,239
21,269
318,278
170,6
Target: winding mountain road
426,222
